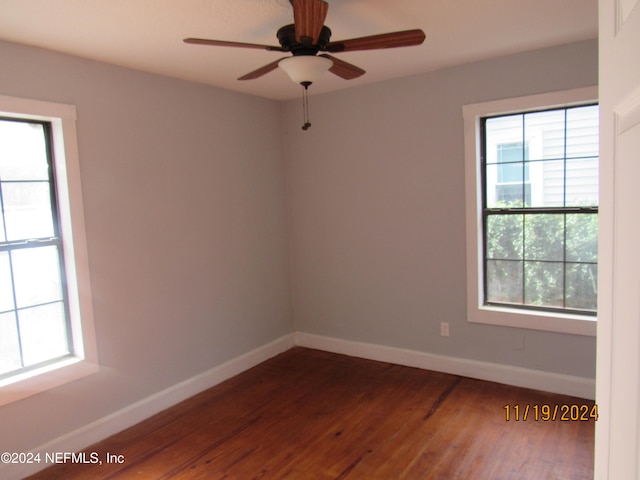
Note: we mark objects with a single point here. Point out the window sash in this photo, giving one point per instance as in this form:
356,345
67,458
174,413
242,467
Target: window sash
524,260
12,246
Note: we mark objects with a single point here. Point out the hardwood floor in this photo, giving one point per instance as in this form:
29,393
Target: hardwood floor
311,415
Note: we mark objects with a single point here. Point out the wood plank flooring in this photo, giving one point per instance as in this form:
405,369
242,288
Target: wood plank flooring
309,415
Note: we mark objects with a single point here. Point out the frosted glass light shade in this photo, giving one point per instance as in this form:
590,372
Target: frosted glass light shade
305,68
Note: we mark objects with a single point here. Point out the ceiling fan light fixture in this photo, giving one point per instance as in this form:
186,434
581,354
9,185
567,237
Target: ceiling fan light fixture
305,69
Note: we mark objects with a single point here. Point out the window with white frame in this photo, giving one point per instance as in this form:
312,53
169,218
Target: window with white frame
532,211
46,324
34,319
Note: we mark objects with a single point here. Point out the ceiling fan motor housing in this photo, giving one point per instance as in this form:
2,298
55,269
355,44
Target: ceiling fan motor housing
287,38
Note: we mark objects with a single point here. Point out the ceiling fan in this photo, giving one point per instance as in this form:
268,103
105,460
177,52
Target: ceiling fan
306,38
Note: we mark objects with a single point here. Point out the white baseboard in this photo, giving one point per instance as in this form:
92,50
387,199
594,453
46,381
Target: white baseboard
520,377
104,427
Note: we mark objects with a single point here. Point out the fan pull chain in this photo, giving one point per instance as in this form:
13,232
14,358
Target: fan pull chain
305,107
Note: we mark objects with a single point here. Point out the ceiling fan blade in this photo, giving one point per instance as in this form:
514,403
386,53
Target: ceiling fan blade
262,70
308,17
222,43
405,38
343,69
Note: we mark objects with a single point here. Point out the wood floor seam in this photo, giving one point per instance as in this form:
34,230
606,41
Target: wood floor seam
443,397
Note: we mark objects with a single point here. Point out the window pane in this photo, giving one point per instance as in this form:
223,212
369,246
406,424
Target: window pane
511,172
544,133
544,237
505,154
504,237
508,194
511,152
9,347
582,281
582,132
43,333
543,284
6,287
547,183
27,208
504,280
582,182
23,153
36,275
582,237
501,131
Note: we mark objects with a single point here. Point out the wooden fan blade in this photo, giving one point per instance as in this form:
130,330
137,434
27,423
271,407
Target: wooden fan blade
262,70
344,69
308,17
405,38
222,43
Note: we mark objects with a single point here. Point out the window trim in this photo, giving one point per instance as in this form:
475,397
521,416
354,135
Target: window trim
477,312
84,361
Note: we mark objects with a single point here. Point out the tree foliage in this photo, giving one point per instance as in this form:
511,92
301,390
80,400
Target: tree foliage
542,259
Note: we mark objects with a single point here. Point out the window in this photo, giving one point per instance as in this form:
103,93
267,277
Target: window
541,240
34,320
46,328
532,211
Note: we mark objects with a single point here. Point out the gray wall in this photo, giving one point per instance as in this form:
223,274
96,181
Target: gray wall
186,192
377,211
184,202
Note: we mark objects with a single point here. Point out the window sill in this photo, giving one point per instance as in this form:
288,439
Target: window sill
36,381
535,320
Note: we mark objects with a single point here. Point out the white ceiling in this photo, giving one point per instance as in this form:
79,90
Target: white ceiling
147,34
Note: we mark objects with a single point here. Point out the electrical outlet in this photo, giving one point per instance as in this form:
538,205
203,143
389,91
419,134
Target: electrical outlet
444,329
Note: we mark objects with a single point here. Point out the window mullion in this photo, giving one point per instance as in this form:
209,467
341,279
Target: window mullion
564,261
524,257
564,203
524,217
523,140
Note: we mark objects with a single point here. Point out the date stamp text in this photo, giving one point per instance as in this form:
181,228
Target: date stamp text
550,413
